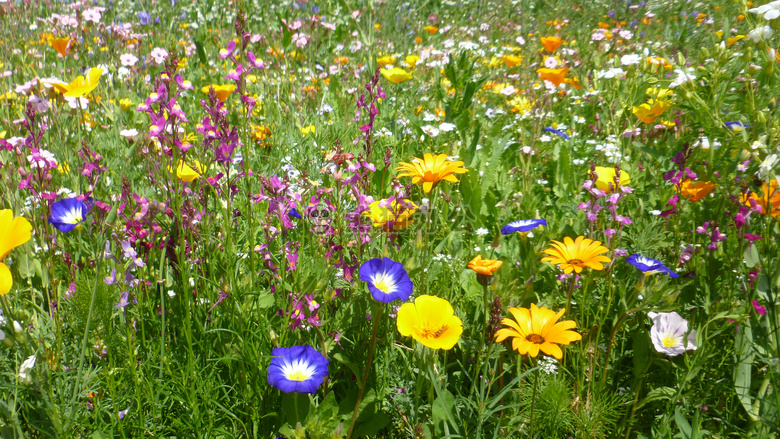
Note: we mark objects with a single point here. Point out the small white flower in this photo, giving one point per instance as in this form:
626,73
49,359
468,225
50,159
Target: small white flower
132,132
75,103
128,59
550,62
430,130
481,231
159,54
766,167
447,127
629,60
683,76
28,364
760,33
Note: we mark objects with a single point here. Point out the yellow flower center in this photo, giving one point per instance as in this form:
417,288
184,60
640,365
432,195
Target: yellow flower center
427,333
535,338
382,285
668,341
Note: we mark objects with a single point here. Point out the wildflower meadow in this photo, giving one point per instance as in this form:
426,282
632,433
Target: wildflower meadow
389,219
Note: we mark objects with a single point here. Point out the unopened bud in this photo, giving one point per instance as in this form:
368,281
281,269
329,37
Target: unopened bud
19,333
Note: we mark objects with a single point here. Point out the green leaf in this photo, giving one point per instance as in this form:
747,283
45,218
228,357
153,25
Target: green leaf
266,300
201,51
341,358
751,255
470,188
743,350
561,154
443,412
682,424
658,394
295,411
641,347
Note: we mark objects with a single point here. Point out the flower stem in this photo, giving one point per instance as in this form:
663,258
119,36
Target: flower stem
377,316
533,400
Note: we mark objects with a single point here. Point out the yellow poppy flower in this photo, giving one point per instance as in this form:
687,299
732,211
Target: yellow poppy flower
394,213
606,179
551,44
485,267
431,170
576,255
696,191
412,60
186,173
126,103
396,75
649,111
431,321
431,29
385,60
79,86
537,329
13,233
311,129
511,60
222,91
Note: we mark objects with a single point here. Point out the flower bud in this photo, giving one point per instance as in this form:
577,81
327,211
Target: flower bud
19,333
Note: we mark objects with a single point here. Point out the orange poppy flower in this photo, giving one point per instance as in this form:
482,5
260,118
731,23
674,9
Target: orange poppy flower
551,44
696,191
485,267
556,76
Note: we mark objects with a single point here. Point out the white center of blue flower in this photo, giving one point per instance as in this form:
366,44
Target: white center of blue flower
72,217
521,223
646,261
298,370
384,282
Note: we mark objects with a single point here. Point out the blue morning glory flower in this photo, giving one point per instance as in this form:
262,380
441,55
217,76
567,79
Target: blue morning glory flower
68,213
522,226
650,266
299,369
558,132
736,126
387,280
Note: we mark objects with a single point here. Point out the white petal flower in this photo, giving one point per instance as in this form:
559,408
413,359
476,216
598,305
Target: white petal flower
629,60
669,333
769,10
760,33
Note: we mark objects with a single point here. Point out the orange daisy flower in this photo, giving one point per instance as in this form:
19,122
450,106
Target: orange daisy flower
576,255
431,170
537,329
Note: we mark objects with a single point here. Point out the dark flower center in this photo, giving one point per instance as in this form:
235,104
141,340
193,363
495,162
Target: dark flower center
535,338
574,261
